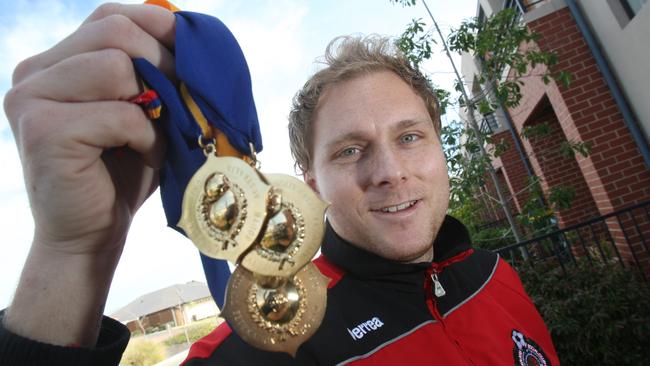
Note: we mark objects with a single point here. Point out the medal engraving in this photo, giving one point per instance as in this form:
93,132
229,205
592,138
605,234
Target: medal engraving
293,232
224,207
274,313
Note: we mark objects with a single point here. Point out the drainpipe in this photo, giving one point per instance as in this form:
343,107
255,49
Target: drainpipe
603,65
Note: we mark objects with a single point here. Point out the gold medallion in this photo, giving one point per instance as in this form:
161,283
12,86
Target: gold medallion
293,231
274,313
224,207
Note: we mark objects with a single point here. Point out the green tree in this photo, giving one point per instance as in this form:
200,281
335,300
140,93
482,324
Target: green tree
496,42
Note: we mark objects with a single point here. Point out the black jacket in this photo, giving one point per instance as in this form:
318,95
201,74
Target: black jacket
378,312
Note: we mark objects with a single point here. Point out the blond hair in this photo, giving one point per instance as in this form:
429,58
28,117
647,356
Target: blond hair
345,58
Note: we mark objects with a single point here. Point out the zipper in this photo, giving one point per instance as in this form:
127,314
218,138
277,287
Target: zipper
431,301
434,290
438,290
432,285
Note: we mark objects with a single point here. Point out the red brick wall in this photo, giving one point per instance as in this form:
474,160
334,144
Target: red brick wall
614,172
514,170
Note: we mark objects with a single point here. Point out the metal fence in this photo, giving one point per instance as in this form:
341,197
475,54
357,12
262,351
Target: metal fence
619,237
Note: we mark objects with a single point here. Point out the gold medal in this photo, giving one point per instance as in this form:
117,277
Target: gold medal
224,207
273,226
293,231
276,313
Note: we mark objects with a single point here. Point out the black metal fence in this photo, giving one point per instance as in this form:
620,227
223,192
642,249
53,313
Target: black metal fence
620,237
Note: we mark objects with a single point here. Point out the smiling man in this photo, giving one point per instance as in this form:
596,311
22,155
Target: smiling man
378,160
405,285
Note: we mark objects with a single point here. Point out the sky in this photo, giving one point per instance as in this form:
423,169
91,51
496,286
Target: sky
281,39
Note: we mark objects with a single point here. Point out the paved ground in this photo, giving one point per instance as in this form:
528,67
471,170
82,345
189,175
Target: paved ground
174,360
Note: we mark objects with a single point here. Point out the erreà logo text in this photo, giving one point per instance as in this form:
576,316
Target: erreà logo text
366,327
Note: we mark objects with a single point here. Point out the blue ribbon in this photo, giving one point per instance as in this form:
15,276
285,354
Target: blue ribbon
212,65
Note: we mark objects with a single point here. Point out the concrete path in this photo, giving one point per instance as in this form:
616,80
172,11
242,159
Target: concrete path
174,360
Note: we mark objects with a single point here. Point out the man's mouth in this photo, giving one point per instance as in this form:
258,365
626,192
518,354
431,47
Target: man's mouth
400,207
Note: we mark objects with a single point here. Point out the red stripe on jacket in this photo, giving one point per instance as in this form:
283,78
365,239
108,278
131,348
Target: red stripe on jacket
329,269
205,346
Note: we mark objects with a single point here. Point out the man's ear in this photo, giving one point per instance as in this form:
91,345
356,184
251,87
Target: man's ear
308,177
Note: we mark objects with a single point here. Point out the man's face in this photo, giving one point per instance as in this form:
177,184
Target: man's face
377,159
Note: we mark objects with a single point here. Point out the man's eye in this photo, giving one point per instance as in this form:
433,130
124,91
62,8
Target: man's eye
411,137
350,151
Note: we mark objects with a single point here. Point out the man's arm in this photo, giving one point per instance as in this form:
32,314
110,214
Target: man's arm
16,350
69,110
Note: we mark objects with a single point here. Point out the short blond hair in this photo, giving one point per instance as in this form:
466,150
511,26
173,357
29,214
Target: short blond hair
345,58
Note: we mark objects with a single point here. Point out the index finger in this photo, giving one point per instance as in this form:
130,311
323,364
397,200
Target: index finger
139,30
157,21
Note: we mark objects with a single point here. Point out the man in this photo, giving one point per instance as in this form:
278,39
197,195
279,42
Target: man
405,288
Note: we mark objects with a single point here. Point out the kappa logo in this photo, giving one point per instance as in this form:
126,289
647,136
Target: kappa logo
526,352
366,327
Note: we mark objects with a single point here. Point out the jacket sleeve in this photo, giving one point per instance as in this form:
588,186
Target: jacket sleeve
17,350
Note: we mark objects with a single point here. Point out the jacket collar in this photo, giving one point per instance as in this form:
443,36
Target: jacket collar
452,239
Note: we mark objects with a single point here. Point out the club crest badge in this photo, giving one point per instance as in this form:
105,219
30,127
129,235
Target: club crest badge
526,352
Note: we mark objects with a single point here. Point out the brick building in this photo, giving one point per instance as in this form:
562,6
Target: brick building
603,44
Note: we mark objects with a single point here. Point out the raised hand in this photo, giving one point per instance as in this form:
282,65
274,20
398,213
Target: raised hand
89,159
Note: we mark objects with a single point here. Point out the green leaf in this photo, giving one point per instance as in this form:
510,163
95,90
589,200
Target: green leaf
484,107
501,147
564,78
536,131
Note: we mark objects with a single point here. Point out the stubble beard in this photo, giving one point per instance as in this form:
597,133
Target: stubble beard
420,251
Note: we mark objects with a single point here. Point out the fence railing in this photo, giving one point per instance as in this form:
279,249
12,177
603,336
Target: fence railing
619,237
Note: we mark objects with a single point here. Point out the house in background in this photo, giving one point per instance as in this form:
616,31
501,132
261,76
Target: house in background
604,45
171,306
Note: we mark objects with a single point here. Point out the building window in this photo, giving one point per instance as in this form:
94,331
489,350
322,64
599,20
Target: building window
489,124
632,7
518,5
522,6
481,14
624,10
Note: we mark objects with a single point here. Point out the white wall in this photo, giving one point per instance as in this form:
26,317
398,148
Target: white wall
626,45
200,310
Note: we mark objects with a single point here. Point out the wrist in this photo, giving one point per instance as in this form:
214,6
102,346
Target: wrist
61,295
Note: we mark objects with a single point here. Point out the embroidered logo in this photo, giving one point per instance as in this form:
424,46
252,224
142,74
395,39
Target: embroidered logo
526,352
366,327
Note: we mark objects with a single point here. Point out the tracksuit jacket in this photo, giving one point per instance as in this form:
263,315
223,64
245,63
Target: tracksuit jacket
379,312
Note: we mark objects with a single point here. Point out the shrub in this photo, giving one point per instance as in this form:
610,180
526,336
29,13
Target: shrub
597,315
195,331
143,353
492,238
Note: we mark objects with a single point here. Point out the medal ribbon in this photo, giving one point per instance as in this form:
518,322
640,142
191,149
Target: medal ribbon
214,101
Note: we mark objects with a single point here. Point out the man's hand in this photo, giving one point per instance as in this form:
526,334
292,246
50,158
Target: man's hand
89,158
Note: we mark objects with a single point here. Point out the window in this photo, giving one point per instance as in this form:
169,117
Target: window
489,123
481,14
625,10
518,5
632,7
522,6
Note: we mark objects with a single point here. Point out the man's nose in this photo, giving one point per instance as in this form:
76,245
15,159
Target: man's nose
387,167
